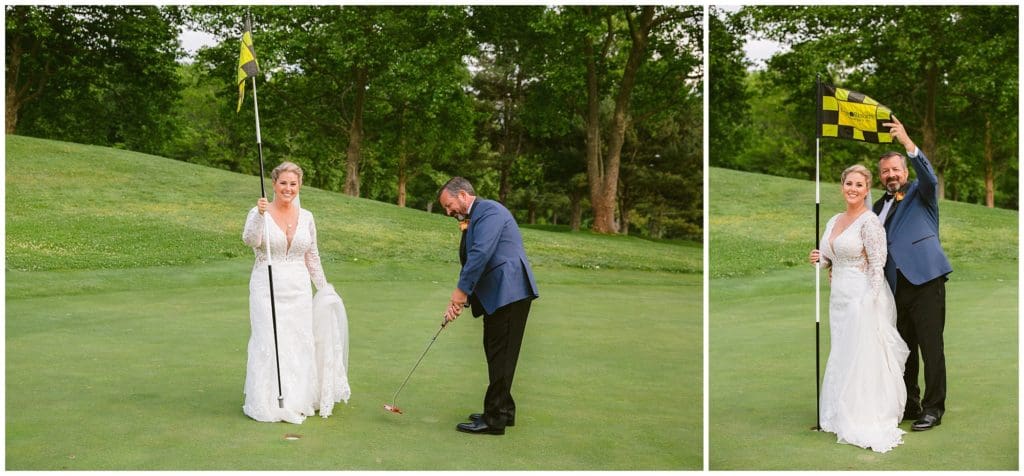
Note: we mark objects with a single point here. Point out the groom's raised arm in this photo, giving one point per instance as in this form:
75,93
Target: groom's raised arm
928,181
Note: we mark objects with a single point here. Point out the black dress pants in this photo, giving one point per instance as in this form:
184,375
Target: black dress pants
503,336
920,320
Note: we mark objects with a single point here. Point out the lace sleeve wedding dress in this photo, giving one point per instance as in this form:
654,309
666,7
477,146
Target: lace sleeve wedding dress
312,334
863,394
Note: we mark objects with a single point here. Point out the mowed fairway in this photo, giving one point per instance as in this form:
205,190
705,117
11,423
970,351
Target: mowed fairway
127,322
762,336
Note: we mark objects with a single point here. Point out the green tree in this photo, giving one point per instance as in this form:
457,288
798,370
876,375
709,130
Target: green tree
603,51
985,86
903,56
490,93
203,133
94,74
332,71
508,58
728,103
425,119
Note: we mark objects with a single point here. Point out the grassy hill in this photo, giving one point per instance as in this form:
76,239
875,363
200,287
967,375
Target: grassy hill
759,223
72,206
127,321
761,321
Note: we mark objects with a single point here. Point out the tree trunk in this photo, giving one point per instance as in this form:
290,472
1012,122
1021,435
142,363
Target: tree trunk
21,88
939,174
504,165
355,136
603,188
654,225
15,96
504,170
402,179
403,159
13,102
11,116
577,212
928,127
990,179
624,207
595,170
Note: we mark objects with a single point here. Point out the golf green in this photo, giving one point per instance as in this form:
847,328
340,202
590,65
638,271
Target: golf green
127,322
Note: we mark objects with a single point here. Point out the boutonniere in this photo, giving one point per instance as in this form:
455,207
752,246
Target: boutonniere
463,224
899,196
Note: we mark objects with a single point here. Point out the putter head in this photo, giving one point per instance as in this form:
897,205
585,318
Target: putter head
392,409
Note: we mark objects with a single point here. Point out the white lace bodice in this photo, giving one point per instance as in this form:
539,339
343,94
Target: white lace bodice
303,248
860,247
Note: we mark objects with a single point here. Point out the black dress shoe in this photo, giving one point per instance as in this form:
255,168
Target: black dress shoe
478,427
477,416
926,422
911,415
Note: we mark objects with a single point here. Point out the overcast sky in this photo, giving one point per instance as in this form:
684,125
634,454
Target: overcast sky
757,51
193,40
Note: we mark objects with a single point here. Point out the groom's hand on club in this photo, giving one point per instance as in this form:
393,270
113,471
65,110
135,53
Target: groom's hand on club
450,313
455,305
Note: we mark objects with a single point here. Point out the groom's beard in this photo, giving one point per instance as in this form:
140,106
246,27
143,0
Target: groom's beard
893,186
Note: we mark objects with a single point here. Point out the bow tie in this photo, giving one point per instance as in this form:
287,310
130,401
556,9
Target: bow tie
898,195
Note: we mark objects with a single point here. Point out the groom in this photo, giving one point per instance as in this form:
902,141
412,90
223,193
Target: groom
497,281
916,270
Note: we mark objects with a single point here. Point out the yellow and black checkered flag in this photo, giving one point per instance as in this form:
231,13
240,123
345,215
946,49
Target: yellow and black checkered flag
247,66
846,114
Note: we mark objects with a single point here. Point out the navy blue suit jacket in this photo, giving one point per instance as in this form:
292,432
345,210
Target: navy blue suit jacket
913,232
496,271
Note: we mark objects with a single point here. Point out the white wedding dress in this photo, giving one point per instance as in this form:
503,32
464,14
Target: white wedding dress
863,393
312,333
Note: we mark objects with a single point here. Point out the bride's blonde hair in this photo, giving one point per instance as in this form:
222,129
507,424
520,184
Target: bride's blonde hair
860,169
286,167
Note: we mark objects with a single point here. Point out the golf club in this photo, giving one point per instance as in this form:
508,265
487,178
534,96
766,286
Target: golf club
393,407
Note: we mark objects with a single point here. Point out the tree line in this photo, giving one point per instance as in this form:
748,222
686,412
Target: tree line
582,116
949,73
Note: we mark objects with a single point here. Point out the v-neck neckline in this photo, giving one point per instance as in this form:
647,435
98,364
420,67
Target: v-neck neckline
287,240
834,236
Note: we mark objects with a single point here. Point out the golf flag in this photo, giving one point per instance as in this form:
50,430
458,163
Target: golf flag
846,114
247,66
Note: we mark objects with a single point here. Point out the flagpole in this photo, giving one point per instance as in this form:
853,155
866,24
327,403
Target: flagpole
266,231
817,267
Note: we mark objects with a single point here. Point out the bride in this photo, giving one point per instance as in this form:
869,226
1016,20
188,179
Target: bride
312,332
863,394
